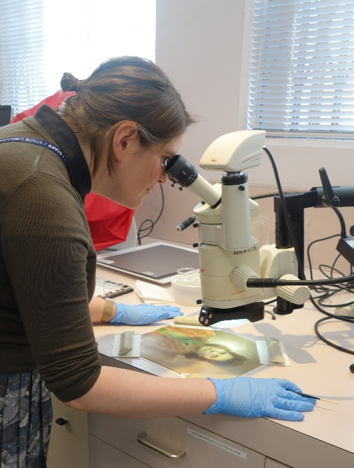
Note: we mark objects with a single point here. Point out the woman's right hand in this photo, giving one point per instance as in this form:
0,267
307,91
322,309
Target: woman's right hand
251,398
143,314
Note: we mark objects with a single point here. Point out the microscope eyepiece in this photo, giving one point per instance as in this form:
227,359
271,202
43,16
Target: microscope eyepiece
179,171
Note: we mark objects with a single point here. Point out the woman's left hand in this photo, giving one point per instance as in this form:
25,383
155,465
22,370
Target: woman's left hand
143,314
250,397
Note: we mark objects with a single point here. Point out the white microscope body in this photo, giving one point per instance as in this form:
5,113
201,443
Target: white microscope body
228,253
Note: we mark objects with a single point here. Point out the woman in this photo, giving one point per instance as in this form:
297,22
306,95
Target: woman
112,138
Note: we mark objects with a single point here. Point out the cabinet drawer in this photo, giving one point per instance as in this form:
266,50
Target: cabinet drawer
71,435
173,436
270,463
104,455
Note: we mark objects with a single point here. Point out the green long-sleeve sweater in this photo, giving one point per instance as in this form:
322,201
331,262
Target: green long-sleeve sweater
47,260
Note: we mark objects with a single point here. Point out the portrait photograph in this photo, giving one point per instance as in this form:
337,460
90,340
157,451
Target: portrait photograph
194,350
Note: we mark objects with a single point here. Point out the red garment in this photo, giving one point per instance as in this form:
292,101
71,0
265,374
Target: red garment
109,222
52,101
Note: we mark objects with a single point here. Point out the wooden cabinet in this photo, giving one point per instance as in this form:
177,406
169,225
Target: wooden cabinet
68,445
165,442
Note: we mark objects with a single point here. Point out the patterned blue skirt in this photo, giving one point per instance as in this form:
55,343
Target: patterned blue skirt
25,420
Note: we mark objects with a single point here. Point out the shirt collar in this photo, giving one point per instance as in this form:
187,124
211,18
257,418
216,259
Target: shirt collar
65,138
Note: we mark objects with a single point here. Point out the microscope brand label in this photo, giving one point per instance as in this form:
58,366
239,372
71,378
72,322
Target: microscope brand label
240,252
217,443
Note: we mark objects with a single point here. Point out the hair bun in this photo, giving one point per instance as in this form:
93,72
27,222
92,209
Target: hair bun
69,82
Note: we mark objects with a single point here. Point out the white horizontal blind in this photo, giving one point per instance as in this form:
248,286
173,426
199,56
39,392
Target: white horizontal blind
22,74
42,39
302,68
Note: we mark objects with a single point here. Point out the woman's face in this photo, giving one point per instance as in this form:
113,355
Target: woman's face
213,353
143,169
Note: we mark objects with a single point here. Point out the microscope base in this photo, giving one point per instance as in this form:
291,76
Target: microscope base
253,312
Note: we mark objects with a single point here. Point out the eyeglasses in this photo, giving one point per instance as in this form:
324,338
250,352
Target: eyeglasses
165,160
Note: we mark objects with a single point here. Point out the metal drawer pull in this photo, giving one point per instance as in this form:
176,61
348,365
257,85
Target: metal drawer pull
62,421
157,449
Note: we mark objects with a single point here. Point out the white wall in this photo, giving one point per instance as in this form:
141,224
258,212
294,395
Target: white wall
197,45
203,46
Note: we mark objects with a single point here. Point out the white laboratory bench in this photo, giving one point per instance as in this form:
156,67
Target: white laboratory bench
324,439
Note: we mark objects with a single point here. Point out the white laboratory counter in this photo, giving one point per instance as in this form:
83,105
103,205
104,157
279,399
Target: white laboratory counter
324,439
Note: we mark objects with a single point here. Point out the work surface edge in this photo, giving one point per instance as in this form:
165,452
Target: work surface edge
325,436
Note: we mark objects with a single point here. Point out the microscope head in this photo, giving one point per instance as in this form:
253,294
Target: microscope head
234,152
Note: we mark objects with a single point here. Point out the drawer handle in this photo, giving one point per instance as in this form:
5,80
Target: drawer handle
62,421
141,440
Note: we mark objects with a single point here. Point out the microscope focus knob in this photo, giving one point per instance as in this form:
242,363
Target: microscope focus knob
294,294
241,274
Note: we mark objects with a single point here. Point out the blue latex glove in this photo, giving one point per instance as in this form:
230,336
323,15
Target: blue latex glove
143,314
251,398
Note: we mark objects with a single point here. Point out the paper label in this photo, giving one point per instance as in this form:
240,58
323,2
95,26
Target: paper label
216,443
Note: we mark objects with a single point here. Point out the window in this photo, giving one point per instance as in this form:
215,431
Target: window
42,39
302,68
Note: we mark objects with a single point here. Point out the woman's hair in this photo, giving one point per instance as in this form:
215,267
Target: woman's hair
122,89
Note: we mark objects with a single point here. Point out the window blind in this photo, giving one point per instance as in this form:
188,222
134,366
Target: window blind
302,68
22,77
42,39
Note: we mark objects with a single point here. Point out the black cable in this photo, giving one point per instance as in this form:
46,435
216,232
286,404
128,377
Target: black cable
322,338
274,282
343,233
344,304
336,286
326,291
314,242
270,302
286,214
151,227
332,268
300,264
329,292
264,195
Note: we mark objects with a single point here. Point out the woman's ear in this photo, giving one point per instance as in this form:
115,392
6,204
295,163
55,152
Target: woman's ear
125,140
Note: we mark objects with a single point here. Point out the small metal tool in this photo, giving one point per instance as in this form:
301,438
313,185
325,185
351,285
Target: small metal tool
316,398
